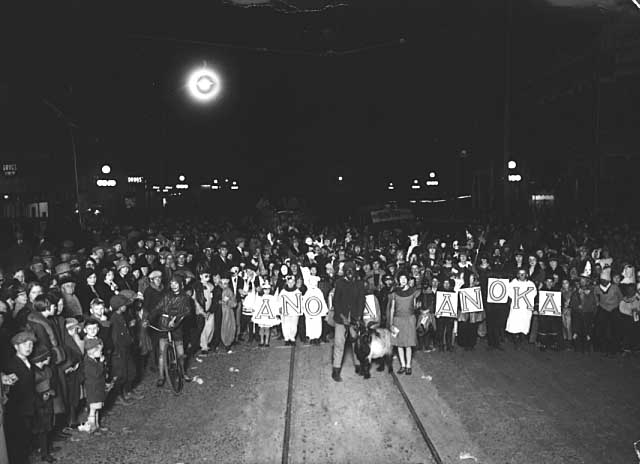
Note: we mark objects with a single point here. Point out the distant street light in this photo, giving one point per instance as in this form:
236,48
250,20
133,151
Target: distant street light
340,178
432,175
106,169
512,164
181,178
204,84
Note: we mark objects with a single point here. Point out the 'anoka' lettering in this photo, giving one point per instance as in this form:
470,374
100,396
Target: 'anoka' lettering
519,294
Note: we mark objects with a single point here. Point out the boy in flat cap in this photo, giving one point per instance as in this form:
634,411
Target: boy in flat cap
21,403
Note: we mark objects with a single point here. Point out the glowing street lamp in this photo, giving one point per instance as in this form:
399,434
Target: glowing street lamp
512,164
204,84
432,175
106,169
181,178
340,178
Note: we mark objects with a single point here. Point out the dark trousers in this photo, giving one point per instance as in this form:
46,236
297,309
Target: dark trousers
496,322
467,334
629,331
549,330
607,333
18,435
124,368
444,332
217,340
196,331
246,326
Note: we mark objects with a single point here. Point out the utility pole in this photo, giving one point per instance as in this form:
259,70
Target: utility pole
506,135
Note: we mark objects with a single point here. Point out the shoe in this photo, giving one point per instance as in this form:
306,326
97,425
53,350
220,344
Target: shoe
48,458
260,345
407,371
335,374
204,353
266,345
293,343
402,370
121,401
160,382
136,396
187,378
86,427
359,370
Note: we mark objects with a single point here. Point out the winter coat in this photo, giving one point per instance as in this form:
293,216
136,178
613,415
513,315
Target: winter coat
73,380
94,380
43,417
22,394
45,335
348,301
171,305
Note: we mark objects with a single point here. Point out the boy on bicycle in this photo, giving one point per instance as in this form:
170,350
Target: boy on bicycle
168,314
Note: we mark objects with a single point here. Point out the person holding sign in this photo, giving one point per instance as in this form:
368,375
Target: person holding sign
471,312
549,315
265,313
403,316
446,314
522,293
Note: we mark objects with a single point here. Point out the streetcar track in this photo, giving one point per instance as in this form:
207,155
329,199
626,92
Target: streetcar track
287,421
287,416
416,419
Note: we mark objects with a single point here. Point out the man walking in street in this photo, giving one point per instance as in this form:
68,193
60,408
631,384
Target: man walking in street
348,304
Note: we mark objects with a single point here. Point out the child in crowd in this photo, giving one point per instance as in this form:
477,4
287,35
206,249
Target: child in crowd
43,417
95,384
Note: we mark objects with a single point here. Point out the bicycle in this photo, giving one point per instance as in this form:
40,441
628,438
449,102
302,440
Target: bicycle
172,366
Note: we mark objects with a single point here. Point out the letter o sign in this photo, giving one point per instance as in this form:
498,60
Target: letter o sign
497,292
313,306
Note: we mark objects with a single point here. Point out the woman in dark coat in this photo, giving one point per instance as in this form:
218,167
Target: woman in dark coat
72,369
106,288
86,289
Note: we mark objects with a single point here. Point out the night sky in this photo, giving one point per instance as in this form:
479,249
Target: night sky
410,84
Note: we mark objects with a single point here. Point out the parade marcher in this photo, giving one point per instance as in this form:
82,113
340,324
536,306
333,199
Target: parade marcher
289,293
445,325
468,322
203,297
608,298
403,318
521,294
169,313
348,304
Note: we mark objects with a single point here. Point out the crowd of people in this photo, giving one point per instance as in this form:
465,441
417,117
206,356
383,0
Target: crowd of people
77,320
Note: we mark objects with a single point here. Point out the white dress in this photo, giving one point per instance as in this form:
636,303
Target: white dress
522,295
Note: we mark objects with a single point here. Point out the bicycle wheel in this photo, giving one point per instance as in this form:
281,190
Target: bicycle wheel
174,370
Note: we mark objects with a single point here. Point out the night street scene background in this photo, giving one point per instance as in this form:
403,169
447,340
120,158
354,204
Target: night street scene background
320,231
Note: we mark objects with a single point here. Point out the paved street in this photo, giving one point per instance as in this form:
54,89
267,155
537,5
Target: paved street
496,407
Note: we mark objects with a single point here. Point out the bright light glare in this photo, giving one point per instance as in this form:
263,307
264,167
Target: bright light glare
432,175
106,169
204,84
340,178
181,178
515,177
512,164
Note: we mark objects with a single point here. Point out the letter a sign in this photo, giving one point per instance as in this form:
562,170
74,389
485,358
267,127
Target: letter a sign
550,303
446,304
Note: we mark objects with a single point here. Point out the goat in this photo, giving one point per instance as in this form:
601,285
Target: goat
371,343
